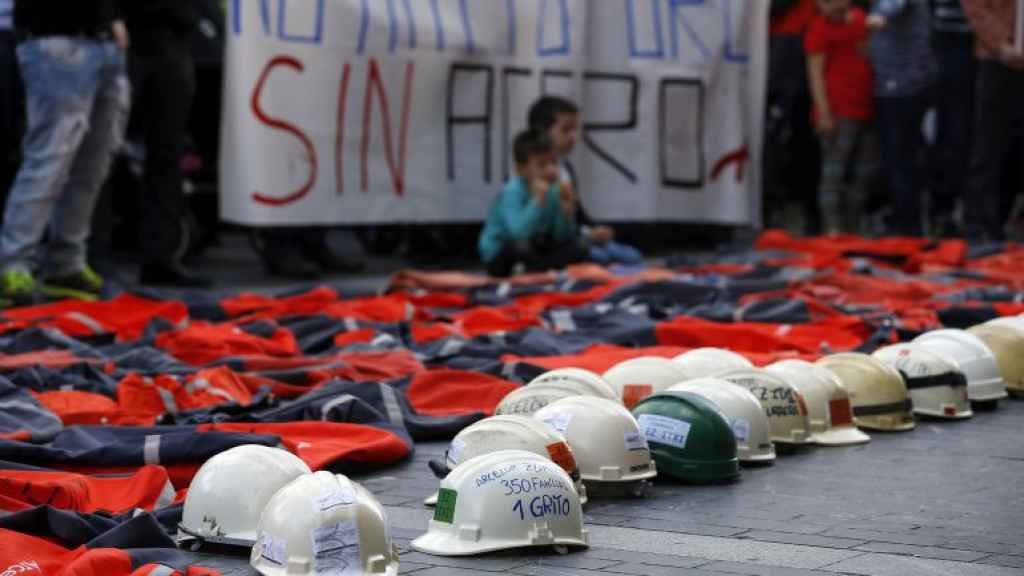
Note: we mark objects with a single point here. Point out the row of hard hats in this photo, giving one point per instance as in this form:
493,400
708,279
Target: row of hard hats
297,522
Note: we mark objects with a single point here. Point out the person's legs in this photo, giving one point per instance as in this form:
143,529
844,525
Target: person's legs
899,126
552,256
865,178
955,114
993,104
615,253
72,218
512,253
837,156
61,76
12,112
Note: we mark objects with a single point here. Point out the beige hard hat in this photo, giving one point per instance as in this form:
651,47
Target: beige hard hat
743,412
595,384
936,385
880,398
706,362
828,403
230,490
1007,344
605,439
639,378
782,403
509,432
324,523
975,359
528,399
501,501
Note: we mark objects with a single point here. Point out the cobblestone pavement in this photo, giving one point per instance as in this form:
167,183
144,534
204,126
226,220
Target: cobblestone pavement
942,500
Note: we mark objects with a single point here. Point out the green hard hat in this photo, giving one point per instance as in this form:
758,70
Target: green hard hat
689,438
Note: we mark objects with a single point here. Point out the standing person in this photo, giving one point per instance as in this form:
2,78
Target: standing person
841,85
792,152
998,114
954,103
72,62
163,73
12,101
302,253
905,71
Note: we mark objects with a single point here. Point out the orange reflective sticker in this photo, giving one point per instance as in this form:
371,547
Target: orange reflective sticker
562,455
632,394
840,413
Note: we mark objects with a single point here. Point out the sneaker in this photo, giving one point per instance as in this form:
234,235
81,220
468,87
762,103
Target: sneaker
18,288
83,285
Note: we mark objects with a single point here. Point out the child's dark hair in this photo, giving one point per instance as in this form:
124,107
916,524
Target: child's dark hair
530,143
545,111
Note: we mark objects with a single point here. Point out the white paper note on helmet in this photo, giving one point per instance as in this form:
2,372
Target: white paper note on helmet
336,550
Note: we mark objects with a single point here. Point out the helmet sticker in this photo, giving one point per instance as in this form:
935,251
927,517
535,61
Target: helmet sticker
635,441
559,421
336,549
562,455
273,550
664,430
445,509
632,394
741,429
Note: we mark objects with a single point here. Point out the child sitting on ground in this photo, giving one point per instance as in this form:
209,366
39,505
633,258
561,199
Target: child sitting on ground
532,224
559,118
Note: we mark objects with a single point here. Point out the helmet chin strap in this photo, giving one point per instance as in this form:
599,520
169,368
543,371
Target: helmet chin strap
439,468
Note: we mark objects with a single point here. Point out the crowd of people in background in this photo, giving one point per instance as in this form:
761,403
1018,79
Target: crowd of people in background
907,120
884,117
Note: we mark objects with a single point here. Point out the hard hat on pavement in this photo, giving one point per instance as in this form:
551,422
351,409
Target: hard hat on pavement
975,359
504,500
638,378
528,399
880,398
782,403
936,385
689,436
230,490
511,432
706,362
597,385
605,439
1007,344
828,403
324,523
745,415
1015,322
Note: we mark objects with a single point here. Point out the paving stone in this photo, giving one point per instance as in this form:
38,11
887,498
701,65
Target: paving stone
1008,561
879,536
646,558
802,539
491,563
580,560
682,527
922,551
535,570
756,570
412,567
638,569
892,565
448,571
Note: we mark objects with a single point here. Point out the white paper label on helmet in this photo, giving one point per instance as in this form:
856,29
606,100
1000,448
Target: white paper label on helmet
635,441
664,430
455,450
274,550
337,495
559,421
741,429
336,550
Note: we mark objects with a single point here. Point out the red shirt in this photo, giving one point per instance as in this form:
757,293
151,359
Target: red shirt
795,20
848,78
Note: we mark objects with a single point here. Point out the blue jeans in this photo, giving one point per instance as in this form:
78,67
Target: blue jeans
77,96
615,253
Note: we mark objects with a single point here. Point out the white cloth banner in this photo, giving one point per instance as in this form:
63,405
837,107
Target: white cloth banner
394,111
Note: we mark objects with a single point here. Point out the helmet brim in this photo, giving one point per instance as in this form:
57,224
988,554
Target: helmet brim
440,544
430,501
847,436
766,458
958,415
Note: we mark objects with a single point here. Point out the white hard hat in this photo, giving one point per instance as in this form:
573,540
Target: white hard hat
705,362
595,384
324,523
743,412
782,403
936,385
1007,344
605,439
511,432
880,399
504,500
639,378
828,403
975,359
1015,322
528,399
230,490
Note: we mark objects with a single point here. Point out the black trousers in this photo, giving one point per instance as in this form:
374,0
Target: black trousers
163,74
293,242
537,257
954,100
12,112
998,123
